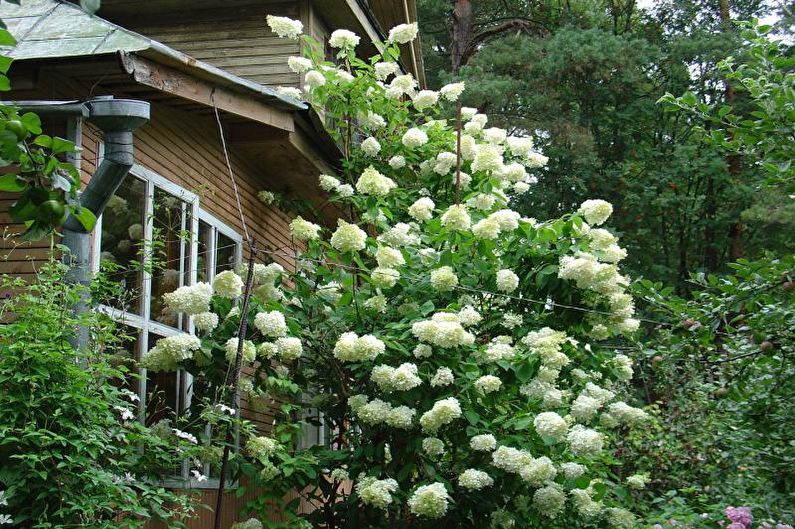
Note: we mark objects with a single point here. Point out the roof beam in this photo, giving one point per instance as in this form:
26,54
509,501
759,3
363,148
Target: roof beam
172,81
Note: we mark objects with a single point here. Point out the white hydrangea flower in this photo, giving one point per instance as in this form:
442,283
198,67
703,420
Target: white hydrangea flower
371,147
402,378
205,321
403,33
384,277
627,414
422,209
468,113
444,162
452,91
538,471
507,281
352,348
551,425
535,160
376,304
343,38
511,320
348,237
572,470
285,27
389,257
488,158
401,417
519,145
376,492
582,500
596,212
191,300
584,407
473,479
495,135
423,350
443,330
271,324
328,182
169,351
510,459
623,366
637,481
429,501
374,183
483,443
443,279
314,79
400,235
621,518
488,384
482,201
371,121
414,137
432,446
299,64
584,441
457,218
486,229
442,413
403,84
549,500
397,162
425,99
385,69
468,147
303,230
228,285
249,350
345,190
468,316
442,377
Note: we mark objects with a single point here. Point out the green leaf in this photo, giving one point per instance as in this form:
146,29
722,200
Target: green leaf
11,184
6,38
86,217
688,98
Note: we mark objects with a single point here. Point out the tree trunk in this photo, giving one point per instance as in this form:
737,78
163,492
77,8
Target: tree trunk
462,32
734,163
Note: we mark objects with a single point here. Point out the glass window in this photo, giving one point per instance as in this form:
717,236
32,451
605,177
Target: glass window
153,238
122,241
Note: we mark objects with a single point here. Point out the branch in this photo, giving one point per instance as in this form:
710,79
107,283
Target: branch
518,23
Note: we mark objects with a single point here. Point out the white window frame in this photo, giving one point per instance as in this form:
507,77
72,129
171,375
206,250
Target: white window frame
143,323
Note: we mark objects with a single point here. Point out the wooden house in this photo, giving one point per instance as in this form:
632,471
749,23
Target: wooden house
205,67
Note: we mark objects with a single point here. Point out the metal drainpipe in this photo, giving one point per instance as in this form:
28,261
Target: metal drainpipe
117,118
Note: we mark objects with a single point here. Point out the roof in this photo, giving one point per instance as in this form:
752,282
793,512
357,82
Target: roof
47,29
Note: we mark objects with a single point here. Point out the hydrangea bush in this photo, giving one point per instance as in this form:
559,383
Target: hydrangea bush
431,329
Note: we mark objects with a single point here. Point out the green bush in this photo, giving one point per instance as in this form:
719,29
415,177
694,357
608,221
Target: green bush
71,451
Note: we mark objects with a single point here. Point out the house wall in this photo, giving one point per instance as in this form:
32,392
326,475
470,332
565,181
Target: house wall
184,148
237,40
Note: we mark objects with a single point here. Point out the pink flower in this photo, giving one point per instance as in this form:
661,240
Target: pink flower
741,517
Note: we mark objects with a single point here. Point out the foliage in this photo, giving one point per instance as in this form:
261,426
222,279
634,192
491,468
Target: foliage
72,453
34,168
763,71
589,85
726,434
425,323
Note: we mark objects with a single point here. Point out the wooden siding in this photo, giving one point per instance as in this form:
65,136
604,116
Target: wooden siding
237,40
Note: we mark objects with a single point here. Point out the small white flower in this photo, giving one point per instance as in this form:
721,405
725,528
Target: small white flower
452,91
299,64
285,27
343,38
403,33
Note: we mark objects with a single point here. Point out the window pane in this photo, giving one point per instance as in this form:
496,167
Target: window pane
161,392
226,254
122,241
170,249
203,266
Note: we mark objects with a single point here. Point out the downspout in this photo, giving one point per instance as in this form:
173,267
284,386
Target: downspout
117,119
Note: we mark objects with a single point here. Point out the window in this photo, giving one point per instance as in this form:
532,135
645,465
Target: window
153,238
